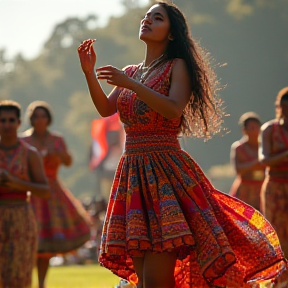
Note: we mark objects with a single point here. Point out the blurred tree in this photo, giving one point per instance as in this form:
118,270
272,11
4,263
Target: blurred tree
67,33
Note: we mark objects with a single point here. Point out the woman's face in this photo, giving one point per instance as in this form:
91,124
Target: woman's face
9,123
155,27
40,119
252,129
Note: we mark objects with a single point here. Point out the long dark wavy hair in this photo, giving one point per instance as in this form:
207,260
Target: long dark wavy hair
203,115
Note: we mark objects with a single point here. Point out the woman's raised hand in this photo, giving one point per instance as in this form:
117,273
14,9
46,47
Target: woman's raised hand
87,56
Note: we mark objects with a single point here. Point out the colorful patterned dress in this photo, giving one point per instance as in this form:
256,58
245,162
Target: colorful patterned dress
18,227
161,201
274,194
247,187
64,224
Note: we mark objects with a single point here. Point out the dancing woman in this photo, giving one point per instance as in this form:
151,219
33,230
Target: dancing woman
166,226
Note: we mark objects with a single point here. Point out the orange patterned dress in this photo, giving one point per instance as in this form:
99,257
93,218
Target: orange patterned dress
18,227
161,201
247,187
63,223
274,194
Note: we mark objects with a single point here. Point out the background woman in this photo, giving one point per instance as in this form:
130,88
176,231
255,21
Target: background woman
244,157
63,223
273,152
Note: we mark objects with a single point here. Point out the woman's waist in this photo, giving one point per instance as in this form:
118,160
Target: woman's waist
14,203
8,195
151,143
278,173
252,181
254,176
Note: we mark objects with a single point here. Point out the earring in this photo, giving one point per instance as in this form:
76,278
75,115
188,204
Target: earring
170,37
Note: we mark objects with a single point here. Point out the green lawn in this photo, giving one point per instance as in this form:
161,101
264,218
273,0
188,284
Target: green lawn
82,276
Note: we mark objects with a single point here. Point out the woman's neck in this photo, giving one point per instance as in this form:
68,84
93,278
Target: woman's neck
40,134
152,53
253,142
7,143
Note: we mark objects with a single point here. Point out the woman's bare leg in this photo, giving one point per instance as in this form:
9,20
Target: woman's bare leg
42,267
138,263
158,270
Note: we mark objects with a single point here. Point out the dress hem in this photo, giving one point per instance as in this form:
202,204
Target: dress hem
66,246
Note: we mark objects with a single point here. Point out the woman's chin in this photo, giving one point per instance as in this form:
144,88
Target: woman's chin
142,36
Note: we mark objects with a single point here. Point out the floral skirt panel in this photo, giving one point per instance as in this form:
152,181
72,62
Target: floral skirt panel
18,245
161,201
62,220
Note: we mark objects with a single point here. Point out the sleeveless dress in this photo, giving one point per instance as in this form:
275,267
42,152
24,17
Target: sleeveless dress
18,227
247,189
161,201
64,225
274,194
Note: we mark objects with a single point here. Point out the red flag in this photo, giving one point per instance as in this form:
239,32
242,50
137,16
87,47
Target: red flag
99,129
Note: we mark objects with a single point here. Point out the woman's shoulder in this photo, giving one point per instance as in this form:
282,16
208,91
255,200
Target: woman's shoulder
178,66
177,62
56,135
238,145
26,134
267,126
27,146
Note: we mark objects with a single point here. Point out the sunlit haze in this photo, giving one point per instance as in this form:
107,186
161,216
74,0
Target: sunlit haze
25,25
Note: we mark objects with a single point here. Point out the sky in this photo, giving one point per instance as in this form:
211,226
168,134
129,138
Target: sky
25,25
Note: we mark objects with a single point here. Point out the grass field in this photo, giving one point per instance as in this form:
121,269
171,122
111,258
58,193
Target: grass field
82,276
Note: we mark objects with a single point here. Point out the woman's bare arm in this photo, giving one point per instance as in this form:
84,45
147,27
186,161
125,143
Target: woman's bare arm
240,166
265,148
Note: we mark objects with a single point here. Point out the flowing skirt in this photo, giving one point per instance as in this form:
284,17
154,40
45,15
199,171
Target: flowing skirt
18,245
64,225
161,201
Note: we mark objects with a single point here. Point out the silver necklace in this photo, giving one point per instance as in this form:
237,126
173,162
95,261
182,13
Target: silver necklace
146,70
